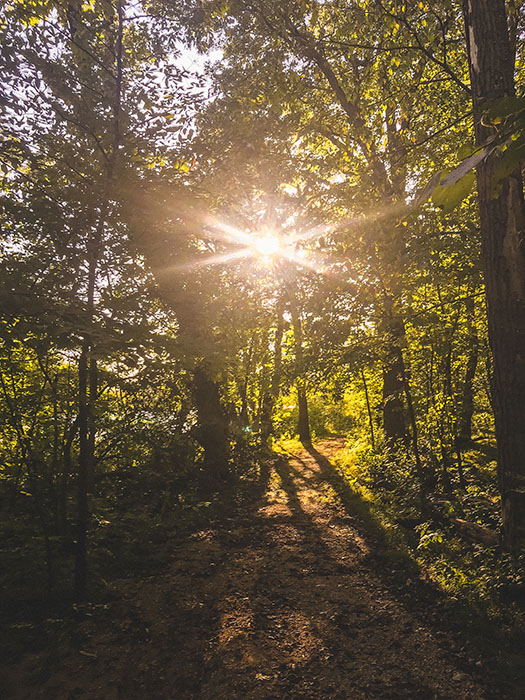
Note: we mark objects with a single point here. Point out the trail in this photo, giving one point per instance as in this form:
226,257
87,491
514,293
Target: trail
284,600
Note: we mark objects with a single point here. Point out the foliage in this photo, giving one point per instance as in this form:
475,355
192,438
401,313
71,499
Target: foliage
144,157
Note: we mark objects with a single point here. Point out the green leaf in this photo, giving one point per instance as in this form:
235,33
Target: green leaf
506,163
499,110
448,197
464,167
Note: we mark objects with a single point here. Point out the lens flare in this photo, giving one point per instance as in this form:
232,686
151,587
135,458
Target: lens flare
267,246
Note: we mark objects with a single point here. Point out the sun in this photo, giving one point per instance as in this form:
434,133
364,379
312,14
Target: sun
266,246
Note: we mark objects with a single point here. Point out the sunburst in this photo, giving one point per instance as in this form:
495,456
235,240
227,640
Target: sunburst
267,246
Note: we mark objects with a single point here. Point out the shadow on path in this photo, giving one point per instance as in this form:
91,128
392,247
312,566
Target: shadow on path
283,600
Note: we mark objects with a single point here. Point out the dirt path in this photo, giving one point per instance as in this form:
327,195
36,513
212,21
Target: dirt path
282,601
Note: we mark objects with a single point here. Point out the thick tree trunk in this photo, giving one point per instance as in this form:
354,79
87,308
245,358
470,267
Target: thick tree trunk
393,410
303,422
196,337
502,230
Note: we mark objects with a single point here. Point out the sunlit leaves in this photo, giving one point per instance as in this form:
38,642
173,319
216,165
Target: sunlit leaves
505,148
449,196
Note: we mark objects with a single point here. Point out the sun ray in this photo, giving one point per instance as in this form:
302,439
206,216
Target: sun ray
267,245
309,260
208,260
225,232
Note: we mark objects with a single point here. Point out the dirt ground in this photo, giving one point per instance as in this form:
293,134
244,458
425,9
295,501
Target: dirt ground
284,600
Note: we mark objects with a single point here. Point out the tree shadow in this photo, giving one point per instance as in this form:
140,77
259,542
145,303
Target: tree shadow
356,507
399,571
304,606
273,600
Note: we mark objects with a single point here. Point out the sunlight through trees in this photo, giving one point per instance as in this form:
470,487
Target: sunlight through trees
226,225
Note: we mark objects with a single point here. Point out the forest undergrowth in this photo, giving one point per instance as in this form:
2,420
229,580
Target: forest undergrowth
451,536
451,541
137,514
295,592
234,225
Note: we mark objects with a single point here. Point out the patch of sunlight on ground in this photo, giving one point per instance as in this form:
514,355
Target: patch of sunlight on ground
287,446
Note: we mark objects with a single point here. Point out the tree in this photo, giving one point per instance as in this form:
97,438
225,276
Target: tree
84,101
491,64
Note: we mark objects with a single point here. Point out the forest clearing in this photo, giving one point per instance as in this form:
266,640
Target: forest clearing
262,349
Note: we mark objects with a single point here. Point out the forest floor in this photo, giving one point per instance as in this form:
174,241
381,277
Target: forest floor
288,599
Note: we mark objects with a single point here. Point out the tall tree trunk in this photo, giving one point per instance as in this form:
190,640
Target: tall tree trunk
413,422
82,475
303,423
247,370
87,396
369,411
394,422
93,394
271,396
464,434
198,343
212,432
393,410
87,367
446,428
64,477
491,67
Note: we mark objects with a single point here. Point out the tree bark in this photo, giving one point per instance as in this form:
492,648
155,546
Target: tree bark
247,371
212,431
467,400
303,422
369,411
413,423
394,423
82,475
271,396
491,67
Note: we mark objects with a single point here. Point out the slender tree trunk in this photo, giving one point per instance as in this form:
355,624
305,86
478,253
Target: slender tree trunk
394,423
212,432
247,369
271,396
491,66
87,388
64,478
467,399
413,423
82,475
303,423
446,427
369,411
92,423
